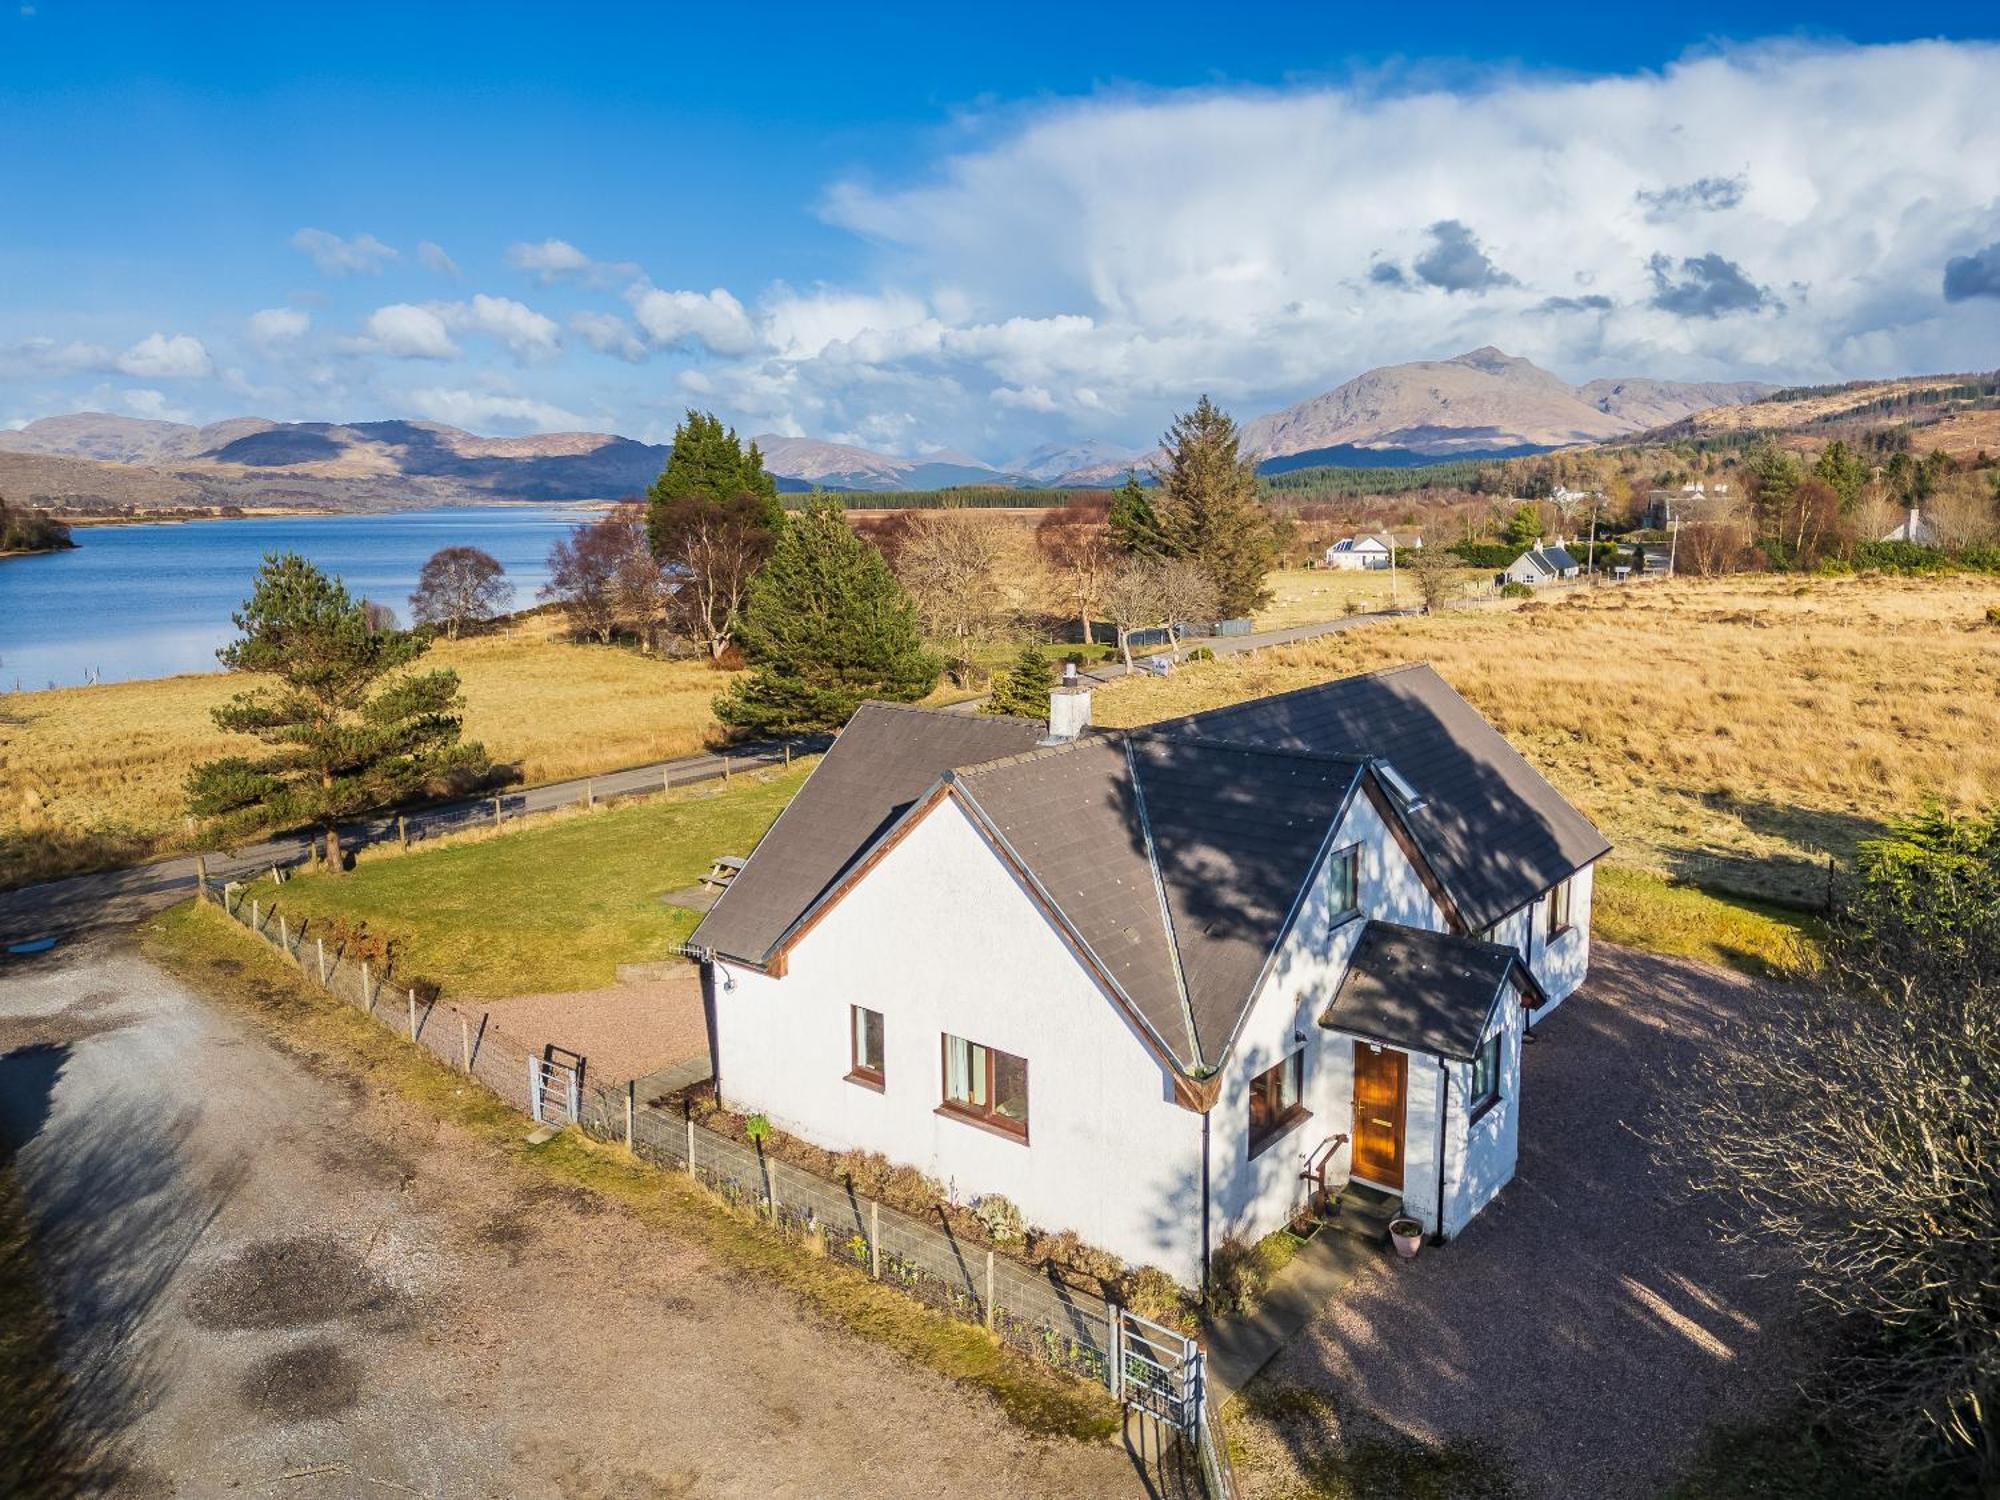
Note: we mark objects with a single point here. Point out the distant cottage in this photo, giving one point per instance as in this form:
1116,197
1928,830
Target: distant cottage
1540,564
1161,986
1368,549
1914,528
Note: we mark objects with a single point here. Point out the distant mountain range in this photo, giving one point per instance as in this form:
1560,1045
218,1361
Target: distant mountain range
1480,405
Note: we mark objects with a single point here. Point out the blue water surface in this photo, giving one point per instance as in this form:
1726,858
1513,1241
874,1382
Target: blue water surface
146,601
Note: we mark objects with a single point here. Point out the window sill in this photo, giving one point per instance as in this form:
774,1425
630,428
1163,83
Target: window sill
867,1081
1481,1111
1018,1134
1559,934
1342,919
1297,1115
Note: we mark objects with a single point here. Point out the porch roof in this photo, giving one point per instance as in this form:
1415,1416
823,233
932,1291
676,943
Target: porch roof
1431,992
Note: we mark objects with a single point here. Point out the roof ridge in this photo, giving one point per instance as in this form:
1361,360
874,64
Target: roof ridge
940,713
1035,752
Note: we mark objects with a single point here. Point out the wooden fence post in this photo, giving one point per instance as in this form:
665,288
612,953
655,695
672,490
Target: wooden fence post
366,1002
875,1239
284,936
989,1291
589,792
465,1040
690,1126
413,1013
631,1098
666,778
320,943
402,831
771,1186
788,755
496,812
725,770
201,876
256,916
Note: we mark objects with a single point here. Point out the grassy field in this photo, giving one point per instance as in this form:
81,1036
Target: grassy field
1733,732
1306,596
92,776
557,905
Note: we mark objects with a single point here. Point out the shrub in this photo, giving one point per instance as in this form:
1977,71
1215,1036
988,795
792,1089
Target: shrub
1239,1275
1201,653
758,1129
999,1217
1993,615
1516,591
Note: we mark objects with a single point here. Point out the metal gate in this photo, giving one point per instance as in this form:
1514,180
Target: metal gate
1156,1370
555,1086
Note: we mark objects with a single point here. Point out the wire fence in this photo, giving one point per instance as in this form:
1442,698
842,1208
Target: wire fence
1031,1309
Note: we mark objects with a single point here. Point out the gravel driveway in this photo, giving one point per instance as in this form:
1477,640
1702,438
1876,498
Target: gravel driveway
1588,1326
274,1281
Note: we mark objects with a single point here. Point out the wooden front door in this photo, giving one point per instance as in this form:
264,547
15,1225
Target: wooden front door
1380,1080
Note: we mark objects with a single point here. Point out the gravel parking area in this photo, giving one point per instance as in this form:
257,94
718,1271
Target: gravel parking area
1589,1326
275,1280
624,1031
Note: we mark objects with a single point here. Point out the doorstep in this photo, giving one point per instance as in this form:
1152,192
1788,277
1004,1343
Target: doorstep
1239,1347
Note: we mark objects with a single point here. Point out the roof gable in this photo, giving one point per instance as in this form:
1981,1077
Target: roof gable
886,758
1497,834
1431,992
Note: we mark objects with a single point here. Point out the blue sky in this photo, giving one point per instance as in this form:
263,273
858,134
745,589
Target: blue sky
911,228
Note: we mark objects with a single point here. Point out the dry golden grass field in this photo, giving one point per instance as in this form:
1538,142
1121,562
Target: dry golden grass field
1305,596
92,776
1732,731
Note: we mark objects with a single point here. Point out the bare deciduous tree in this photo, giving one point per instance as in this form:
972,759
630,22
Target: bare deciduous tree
1855,1130
1075,547
1434,571
1187,594
947,563
584,569
709,551
458,586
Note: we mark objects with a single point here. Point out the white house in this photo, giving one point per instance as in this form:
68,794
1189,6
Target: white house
1368,549
1539,564
1144,983
1914,528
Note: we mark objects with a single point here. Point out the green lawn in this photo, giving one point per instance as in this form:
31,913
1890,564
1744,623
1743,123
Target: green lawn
1641,910
556,905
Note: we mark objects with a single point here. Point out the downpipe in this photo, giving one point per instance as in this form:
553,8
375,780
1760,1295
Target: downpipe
1444,1118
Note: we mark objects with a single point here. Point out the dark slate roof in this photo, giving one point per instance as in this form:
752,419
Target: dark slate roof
1176,860
1429,991
1497,834
884,760
1559,558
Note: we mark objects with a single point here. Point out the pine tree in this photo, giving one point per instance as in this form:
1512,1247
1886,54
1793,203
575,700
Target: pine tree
1135,529
1524,528
1023,690
1841,467
350,731
1208,511
826,626
711,518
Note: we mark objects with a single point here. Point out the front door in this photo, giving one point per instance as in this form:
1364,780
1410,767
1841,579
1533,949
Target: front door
1380,1078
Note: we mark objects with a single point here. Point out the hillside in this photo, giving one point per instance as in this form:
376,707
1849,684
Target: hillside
1482,404
44,480
1957,413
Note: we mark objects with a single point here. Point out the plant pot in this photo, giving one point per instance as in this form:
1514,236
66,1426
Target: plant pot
1407,1235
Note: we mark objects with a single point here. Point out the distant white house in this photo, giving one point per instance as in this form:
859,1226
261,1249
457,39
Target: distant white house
1665,508
1914,528
1540,564
1368,549
1162,986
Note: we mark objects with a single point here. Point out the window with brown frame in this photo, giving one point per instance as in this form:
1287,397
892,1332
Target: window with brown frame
986,1086
1274,1100
1559,899
865,1040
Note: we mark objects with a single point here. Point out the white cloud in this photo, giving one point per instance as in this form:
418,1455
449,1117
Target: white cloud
275,326
528,335
146,402
558,260
489,409
713,320
402,330
160,356
608,333
363,255
431,256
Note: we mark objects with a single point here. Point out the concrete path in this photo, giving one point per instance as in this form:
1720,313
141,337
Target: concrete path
1239,1347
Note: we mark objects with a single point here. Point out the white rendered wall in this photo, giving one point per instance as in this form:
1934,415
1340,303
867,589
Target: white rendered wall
1560,966
940,938
1255,1195
1480,1155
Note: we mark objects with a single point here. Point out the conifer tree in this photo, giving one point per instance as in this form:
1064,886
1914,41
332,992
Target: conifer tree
825,626
708,463
349,730
1023,690
1208,511
1135,529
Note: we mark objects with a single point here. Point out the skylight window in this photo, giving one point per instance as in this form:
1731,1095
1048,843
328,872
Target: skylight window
1405,794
